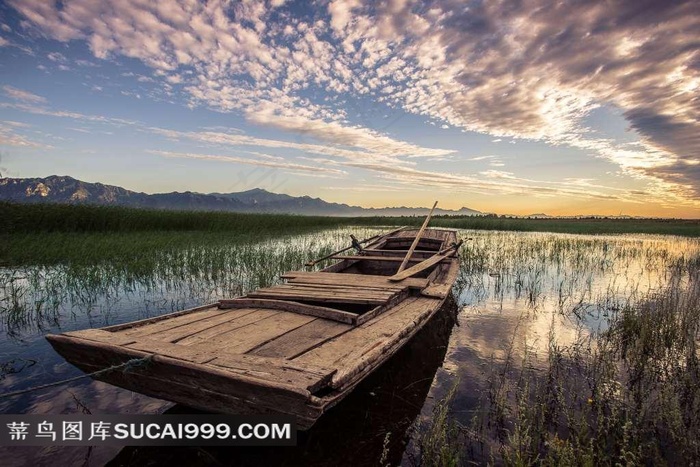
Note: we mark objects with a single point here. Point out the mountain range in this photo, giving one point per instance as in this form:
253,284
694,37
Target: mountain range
64,189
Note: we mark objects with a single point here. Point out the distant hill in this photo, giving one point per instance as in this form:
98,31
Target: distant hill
64,189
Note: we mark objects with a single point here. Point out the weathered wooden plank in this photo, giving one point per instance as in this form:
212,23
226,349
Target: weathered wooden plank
211,399
100,335
170,323
301,339
422,266
312,293
388,259
132,324
342,278
181,352
375,357
234,319
400,253
426,238
334,350
442,289
207,334
163,374
338,291
316,298
441,255
273,370
382,239
294,307
367,344
324,282
244,339
394,329
305,296
393,301
353,288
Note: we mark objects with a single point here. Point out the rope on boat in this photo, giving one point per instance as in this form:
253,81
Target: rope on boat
126,366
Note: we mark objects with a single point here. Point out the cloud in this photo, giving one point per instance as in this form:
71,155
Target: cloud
399,172
359,145
482,158
23,96
9,137
343,135
40,110
268,161
531,69
491,182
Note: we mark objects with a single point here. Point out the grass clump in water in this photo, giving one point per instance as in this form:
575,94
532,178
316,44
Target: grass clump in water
629,395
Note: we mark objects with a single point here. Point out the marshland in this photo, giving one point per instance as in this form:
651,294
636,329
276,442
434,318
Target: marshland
572,346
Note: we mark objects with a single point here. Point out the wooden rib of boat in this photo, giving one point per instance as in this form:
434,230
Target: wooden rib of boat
296,348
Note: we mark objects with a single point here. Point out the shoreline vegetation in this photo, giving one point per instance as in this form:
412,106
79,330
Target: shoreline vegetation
50,233
50,217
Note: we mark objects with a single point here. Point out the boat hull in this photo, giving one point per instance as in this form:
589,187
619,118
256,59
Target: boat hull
295,349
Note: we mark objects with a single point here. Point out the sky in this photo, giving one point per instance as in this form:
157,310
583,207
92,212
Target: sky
511,107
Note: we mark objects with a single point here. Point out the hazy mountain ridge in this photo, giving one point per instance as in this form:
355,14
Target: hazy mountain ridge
64,189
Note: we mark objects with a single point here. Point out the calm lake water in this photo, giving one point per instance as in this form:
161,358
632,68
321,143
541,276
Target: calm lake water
516,294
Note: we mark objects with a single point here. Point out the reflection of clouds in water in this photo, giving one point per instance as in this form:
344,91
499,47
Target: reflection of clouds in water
491,334
98,398
519,289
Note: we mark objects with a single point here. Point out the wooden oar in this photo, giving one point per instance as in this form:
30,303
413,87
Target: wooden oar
312,263
425,264
416,240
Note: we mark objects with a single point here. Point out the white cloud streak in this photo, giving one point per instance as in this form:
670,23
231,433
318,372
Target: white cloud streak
10,137
23,96
267,161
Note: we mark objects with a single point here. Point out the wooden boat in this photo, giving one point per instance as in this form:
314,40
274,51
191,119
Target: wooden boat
295,349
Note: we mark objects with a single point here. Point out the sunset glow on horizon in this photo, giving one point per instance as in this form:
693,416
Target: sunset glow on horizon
540,106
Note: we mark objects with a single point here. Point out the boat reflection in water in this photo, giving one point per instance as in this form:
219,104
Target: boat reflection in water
383,406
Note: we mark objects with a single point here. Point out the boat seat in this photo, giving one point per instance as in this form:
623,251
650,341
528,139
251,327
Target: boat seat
354,293
352,302
353,280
